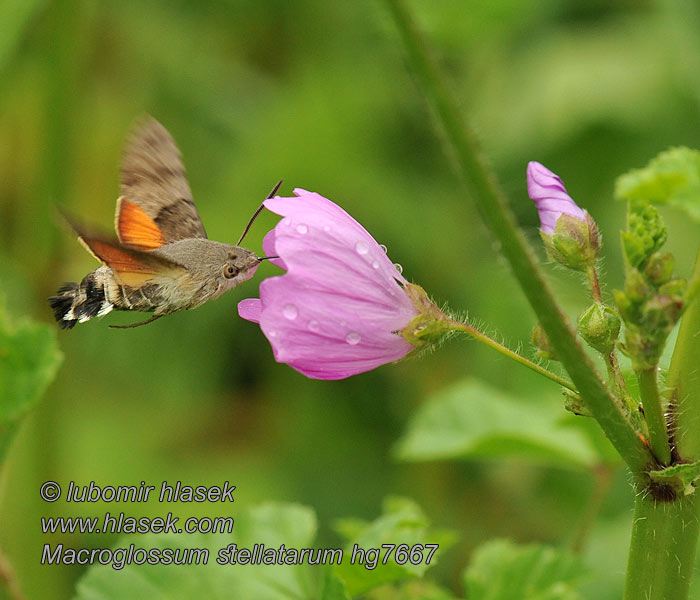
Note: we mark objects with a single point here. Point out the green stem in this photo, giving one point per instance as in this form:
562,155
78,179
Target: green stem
662,549
487,195
683,382
654,414
693,288
491,343
595,285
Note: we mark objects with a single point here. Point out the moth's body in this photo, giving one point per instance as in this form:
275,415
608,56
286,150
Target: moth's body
163,261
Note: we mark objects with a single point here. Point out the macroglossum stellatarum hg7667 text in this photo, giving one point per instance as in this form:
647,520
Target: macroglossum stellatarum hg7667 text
162,261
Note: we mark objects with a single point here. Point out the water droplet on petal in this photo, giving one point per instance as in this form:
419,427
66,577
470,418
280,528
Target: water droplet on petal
290,312
353,338
272,333
286,221
383,247
314,325
398,267
375,264
301,228
361,247
326,228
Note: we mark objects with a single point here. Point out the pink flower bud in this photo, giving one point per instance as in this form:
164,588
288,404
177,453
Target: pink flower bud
342,305
549,194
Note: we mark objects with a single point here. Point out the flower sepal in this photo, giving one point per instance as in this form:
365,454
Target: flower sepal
574,243
430,325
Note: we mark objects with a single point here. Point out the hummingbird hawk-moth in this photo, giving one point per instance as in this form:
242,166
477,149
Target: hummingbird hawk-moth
161,260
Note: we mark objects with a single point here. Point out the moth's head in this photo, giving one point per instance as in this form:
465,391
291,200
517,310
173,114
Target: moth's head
238,265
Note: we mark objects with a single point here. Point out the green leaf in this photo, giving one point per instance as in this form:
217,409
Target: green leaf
411,590
402,526
682,477
473,420
502,570
270,524
29,359
333,587
672,177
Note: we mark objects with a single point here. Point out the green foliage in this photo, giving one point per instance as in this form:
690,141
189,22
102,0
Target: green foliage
470,419
269,524
275,525
502,570
402,523
672,177
29,359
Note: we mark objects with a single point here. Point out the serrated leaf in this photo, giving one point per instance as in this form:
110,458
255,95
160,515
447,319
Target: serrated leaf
29,359
471,419
270,524
403,524
502,570
672,177
682,477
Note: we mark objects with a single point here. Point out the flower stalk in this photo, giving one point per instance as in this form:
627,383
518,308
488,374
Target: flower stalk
491,343
431,324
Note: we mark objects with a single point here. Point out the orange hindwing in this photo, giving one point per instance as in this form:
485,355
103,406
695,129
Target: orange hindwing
135,228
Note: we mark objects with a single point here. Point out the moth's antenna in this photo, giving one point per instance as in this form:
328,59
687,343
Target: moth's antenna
257,212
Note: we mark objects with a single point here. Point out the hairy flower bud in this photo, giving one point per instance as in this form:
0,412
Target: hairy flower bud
568,232
599,325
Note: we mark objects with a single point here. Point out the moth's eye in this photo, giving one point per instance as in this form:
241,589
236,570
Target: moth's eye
230,271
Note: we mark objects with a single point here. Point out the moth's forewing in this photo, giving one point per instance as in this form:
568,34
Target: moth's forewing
153,178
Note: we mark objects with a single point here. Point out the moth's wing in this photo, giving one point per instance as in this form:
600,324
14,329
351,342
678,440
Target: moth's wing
153,178
131,267
135,228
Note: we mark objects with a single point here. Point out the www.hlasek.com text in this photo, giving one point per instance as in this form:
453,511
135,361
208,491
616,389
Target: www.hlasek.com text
259,554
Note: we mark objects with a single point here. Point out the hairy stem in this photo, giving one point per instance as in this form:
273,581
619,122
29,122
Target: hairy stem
662,549
595,284
491,343
654,414
485,192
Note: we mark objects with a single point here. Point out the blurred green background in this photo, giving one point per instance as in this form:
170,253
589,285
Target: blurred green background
318,93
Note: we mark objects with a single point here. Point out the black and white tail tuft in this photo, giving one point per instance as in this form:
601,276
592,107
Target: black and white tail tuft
77,303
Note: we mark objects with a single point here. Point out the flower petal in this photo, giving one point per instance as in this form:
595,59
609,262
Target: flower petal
250,309
336,311
548,192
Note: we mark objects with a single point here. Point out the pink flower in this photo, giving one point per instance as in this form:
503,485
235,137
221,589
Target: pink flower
340,308
547,190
